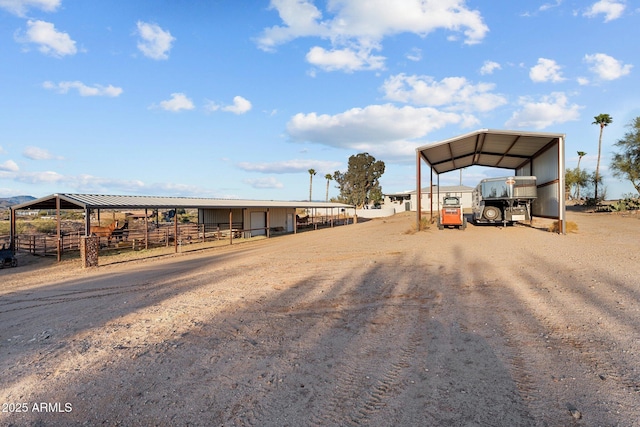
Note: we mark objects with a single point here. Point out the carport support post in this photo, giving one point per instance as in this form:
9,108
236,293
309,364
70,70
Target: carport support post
562,225
431,194
418,191
230,227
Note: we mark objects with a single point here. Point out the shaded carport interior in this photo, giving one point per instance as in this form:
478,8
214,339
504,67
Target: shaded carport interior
97,202
525,153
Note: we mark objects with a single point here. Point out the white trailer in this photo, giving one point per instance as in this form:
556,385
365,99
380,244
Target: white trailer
504,200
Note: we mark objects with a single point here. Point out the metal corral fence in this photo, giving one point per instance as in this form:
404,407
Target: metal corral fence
136,239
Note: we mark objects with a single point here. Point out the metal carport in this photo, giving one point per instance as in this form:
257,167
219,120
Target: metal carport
526,153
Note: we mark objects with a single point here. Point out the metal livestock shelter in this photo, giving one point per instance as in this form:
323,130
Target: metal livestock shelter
205,206
526,153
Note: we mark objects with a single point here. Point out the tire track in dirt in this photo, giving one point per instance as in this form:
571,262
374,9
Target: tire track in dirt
364,385
70,296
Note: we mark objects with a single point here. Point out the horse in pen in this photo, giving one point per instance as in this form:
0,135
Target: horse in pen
100,231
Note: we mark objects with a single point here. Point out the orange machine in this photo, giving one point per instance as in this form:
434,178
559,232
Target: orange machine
451,214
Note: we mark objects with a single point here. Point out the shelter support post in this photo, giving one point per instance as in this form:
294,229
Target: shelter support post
12,230
146,230
87,222
59,235
268,224
230,227
175,230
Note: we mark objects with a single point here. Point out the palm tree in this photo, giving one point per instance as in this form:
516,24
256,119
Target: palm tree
311,173
328,177
581,154
602,120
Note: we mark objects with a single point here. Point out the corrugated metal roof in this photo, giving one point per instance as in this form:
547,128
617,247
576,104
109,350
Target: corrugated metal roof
494,148
101,201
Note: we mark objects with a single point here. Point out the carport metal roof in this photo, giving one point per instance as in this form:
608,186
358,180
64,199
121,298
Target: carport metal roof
486,147
98,201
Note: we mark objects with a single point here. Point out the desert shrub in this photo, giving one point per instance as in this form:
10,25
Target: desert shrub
424,225
626,204
44,225
187,218
570,227
22,227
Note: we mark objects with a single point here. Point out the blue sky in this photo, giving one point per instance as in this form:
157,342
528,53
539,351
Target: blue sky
238,99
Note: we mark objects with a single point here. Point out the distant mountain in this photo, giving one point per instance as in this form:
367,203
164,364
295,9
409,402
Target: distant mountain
10,201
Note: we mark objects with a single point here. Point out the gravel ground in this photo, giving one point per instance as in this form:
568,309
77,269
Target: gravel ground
368,324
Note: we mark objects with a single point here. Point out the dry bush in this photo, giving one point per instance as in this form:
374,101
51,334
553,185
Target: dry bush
570,226
424,225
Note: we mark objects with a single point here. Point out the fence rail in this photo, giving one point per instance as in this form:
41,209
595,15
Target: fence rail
136,239
154,236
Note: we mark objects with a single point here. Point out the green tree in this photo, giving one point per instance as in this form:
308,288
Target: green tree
581,154
361,180
328,177
576,178
602,120
312,172
626,164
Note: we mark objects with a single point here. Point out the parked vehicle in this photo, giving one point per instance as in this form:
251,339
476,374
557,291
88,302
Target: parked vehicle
504,200
7,258
451,214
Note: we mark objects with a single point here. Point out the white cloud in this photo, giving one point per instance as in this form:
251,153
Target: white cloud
489,67
155,42
583,81
262,183
9,166
607,67
549,110
240,106
178,101
547,70
344,59
611,10
453,93
355,28
35,153
415,55
377,129
50,41
20,7
40,177
83,90
548,6
289,166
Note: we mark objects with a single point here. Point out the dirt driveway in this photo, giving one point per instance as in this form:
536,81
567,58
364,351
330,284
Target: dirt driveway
359,325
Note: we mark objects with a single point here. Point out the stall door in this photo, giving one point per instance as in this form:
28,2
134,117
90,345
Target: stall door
258,220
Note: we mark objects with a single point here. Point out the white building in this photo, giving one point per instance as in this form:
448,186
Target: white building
406,200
